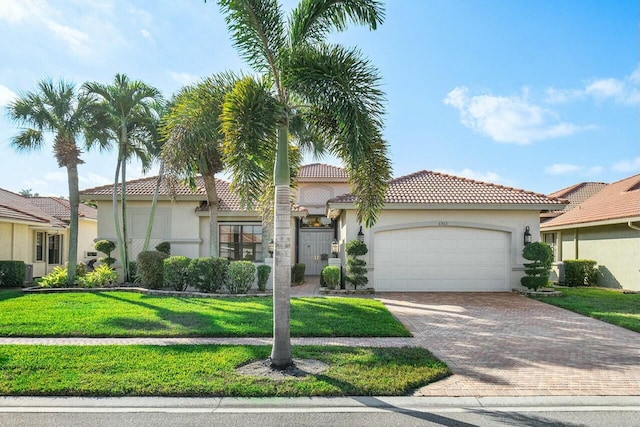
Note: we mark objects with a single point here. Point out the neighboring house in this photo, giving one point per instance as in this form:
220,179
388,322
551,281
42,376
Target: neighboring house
575,194
605,228
36,230
436,232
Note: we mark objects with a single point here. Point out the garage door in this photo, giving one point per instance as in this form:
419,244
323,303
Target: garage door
441,259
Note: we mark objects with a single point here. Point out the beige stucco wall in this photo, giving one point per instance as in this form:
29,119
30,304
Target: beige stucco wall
616,249
510,220
314,196
87,233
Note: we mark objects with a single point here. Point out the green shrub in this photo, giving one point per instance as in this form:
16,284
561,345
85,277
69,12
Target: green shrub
208,274
150,268
56,279
263,276
164,247
106,247
176,272
356,271
297,273
537,271
240,277
12,273
323,284
580,272
331,276
101,276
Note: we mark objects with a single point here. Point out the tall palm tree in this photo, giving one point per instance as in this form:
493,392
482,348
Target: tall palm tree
127,106
325,96
59,109
191,131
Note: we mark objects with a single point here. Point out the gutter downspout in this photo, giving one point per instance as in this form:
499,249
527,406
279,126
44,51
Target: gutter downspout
634,227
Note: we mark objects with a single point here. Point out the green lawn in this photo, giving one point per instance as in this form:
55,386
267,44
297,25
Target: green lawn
609,306
208,370
127,314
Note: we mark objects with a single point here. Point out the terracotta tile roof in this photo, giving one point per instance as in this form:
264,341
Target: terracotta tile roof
619,200
18,208
575,194
228,200
61,209
427,187
322,172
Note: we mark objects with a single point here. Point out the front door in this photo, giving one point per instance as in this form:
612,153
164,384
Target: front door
315,248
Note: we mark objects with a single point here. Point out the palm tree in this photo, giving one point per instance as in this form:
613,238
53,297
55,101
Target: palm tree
325,96
128,108
191,130
59,109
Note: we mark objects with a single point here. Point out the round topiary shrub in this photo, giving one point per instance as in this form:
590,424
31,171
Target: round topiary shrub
106,247
356,271
164,247
537,271
151,268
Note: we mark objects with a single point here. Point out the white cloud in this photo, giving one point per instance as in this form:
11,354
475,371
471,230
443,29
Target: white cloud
507,119
6,95
76,39
146,34
491,177
184,78
627,166
623,91
92,179
571,169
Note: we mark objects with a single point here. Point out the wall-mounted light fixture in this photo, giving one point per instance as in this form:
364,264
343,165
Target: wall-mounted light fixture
335,248
360,235
527,236
270,248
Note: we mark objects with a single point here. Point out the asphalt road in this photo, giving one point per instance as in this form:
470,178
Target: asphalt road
463,418
348,411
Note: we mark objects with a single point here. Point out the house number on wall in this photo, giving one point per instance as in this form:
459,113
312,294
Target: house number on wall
443,223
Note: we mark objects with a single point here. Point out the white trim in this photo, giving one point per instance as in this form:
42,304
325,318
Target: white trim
616,221
450,206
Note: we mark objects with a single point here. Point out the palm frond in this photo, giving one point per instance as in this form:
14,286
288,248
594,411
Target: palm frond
257,30
249,117
312,20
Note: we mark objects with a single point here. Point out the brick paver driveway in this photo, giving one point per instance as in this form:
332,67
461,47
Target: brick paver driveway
503,344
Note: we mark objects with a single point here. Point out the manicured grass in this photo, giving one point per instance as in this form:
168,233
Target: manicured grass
126,314
208,370
609,306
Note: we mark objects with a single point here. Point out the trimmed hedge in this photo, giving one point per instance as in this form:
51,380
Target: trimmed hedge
263,276
240,277
12,273
580,272
151,268
208,274
297,273
176,272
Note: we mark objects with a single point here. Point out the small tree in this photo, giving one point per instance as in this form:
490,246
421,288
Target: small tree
537,271
176,272
356,271
106,247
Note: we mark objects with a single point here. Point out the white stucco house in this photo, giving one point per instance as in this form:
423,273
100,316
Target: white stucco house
436,232
35,230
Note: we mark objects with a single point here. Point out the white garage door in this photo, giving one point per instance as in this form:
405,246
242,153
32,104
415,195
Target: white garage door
441,259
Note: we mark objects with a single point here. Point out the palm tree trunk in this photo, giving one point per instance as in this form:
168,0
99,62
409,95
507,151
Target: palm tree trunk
281,350
154,203
74,201
123,198
212,200
116,216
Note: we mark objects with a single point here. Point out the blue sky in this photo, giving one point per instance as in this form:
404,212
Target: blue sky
532,94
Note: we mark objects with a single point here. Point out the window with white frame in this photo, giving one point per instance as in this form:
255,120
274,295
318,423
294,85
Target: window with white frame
551,239
39,246
241,242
